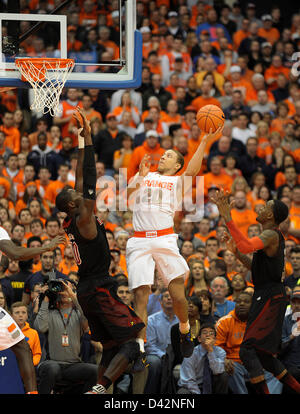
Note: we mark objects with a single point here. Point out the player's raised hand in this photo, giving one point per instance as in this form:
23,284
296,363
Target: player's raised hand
83,124
230,243
144,167
213,135
221,199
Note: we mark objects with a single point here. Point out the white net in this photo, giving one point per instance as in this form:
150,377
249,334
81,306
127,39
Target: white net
47,78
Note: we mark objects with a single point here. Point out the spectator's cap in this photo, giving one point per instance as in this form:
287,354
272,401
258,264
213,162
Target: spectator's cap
205,32
72,28
110,115
151,133
237,4
235,69
295,295
251,6
172,14
148,120
121,233
266,44
179,59
115,14
266,17
145,29
190,108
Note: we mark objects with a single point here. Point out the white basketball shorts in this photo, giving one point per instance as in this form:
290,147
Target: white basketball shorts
10,333
144,254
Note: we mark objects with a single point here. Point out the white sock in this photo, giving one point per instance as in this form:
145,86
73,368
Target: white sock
140,341
184,327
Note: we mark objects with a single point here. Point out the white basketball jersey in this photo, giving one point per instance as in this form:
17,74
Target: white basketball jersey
156,202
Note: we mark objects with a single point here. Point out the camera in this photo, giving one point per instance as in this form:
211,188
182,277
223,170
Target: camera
55,286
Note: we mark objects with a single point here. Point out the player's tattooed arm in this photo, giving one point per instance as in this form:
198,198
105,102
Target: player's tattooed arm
231,246
269,238
243,258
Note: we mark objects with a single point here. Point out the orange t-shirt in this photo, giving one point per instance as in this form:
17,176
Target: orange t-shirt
17,179
273,72
281,180
242,85
251,95
126,159
55,188
111,47
110,226
66,268
68,110
296,155
169,120
200,101
13,138
271,35
238,37
243,219
119,110
138,154
204,238
222,181
295,218
6,184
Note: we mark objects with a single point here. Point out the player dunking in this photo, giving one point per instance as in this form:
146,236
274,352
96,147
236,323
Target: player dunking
154,243
11,335
111,322
262,339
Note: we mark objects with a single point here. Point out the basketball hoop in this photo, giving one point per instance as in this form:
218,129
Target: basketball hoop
47,76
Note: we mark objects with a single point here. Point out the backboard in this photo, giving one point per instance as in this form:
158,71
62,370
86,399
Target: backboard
105,45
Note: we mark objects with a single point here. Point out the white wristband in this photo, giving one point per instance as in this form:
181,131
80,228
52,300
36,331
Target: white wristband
80,139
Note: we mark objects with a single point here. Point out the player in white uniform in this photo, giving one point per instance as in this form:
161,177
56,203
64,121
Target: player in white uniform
10,334
154,243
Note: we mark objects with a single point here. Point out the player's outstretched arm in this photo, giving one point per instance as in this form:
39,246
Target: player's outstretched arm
231,246
86,210
245,245
14,252
195,163
81,145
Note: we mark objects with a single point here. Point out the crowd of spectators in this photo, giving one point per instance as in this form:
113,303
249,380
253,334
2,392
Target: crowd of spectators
195,53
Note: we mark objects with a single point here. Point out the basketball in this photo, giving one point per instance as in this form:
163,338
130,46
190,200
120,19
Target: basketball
210,117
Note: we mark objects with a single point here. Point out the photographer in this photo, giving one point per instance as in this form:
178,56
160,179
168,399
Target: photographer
64,325
47,261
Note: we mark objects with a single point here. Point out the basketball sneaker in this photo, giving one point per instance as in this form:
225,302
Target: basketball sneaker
97,389
140,363
186,345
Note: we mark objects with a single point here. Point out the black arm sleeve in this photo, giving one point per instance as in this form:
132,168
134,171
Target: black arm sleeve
89,173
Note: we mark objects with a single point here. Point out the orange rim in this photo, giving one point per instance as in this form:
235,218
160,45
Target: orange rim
41,65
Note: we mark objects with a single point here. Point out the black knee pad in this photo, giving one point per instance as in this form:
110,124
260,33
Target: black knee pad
130,350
